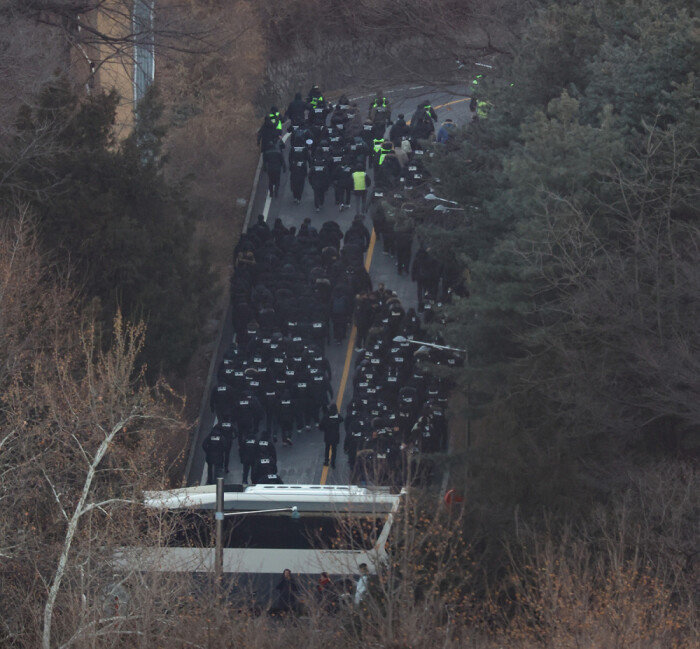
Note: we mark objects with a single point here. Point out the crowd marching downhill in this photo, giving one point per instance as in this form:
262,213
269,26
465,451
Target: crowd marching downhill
297,289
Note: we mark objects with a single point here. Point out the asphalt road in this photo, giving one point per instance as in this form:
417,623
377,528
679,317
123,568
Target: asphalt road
303,462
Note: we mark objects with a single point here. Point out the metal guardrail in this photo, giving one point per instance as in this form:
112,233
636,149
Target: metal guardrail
196,433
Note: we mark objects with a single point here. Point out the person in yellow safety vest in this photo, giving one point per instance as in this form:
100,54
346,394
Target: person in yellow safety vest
380,110
475,87
430,111
376,148
275,118
380,101
360,182
385,148
482,109
315,97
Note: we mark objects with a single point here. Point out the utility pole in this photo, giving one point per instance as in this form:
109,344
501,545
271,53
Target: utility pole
219,517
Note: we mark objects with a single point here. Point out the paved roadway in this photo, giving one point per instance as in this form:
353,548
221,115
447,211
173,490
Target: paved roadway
303,462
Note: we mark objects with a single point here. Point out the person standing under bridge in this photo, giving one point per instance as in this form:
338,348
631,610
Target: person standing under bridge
330,425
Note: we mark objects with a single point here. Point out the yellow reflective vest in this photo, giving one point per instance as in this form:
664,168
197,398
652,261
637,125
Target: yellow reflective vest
359,181
275,118
482,109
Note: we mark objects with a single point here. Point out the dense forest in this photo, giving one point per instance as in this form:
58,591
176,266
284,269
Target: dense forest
581,245
105,213
575,420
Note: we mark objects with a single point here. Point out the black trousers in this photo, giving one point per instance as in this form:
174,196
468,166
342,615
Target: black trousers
214,471
247,470
351,450
297,182
319,196
273,179
271,424
287,426
342,194
340,326
403,259
360,201
329,455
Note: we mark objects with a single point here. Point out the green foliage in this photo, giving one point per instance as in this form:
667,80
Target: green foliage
105,210
583,253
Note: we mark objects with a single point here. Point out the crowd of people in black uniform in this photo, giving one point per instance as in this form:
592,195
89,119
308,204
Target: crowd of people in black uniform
294,291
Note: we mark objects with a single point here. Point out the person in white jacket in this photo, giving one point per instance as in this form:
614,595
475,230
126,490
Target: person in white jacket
362,587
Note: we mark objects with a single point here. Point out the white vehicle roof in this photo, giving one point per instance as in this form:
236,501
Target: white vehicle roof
306,498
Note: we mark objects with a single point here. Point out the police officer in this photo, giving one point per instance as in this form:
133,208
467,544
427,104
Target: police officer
276,119
367,136
226,431
408,398
380,110
339,117
321,391
215,452
249,413
265,461
317,113
377,142
399,131
422,124
403,243
221,402
360,182
357,151
387,169
341,309
343,182
247,451
319,178
296,111
273,165
302,391
298,169
268,135
330,425
315,97
285,416
269,402
355,429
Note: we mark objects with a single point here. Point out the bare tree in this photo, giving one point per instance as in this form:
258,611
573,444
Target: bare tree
378,43
79,431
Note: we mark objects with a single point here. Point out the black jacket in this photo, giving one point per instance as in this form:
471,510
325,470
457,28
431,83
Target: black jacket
221,401
273,161
330,425
215,449
296,111
398,131
319,174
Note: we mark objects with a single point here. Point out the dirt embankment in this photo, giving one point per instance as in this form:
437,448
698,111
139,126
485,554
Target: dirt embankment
210,146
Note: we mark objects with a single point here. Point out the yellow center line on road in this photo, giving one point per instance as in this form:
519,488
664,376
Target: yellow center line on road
449,103
351,346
